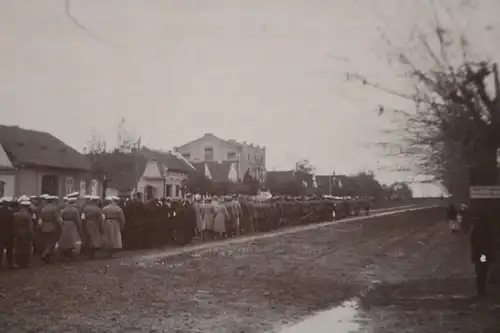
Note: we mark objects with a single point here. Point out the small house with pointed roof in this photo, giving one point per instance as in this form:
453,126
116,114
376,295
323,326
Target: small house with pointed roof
34,162
152,172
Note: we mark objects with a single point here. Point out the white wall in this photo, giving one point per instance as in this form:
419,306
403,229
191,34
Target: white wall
233,173
4,159
9,187
111,192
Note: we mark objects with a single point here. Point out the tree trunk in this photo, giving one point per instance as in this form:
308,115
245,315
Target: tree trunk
485,171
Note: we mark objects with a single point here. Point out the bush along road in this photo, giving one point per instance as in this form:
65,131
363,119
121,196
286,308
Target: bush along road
250,285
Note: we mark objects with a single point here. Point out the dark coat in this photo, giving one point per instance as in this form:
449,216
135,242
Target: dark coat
481,240
6,222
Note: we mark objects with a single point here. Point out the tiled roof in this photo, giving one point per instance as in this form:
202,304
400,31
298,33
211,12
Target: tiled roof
324,181
280,176
127,168
35,148
167,159
231,141
218,170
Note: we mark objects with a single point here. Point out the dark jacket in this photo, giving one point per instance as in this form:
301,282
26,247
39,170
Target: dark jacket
481,240
6,222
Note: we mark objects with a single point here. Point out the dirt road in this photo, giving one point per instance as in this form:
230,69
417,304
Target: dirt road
257,285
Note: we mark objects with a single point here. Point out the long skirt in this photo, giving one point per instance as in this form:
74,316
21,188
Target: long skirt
220,224
113,234
95,238
207,223
69,236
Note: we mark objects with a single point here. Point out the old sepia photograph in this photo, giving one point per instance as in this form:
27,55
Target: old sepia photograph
249,166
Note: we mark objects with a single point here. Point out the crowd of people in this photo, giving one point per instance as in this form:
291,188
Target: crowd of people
47,225
37,225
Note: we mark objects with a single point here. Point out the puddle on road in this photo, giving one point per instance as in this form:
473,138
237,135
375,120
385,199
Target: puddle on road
346,318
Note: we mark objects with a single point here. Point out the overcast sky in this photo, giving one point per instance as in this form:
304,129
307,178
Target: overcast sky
269,72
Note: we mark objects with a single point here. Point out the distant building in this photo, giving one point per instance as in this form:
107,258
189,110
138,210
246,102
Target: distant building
245,157
34,163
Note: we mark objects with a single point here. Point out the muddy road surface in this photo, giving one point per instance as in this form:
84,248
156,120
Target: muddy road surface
254,285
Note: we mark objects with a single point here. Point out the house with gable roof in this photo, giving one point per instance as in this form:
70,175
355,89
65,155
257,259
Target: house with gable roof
34,162
152,172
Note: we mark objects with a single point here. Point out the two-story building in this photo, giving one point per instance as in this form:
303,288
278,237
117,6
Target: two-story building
34,163
244,156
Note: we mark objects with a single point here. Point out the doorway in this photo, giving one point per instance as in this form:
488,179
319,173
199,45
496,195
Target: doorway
50,185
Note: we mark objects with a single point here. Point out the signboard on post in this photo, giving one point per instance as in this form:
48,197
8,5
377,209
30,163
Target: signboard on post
485,192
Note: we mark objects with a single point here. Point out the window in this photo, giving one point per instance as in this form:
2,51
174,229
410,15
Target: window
2,188
94,187
249,157
209,154
187,156
69,185
150,192
83,188
231,156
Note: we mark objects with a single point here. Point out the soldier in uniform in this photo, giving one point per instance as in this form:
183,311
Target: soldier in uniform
7,231
71,226
114,223
246,218
235,212
51,227
24,233
482,250
92,225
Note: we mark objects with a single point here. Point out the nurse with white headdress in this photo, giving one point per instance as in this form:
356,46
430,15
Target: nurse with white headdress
24,233
92,226
71,226
114,222
51,227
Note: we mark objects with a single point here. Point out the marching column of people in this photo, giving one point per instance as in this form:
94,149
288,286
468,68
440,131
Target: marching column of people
133,224
31,225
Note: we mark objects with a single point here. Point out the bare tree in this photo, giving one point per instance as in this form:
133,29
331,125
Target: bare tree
111,163
453,134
